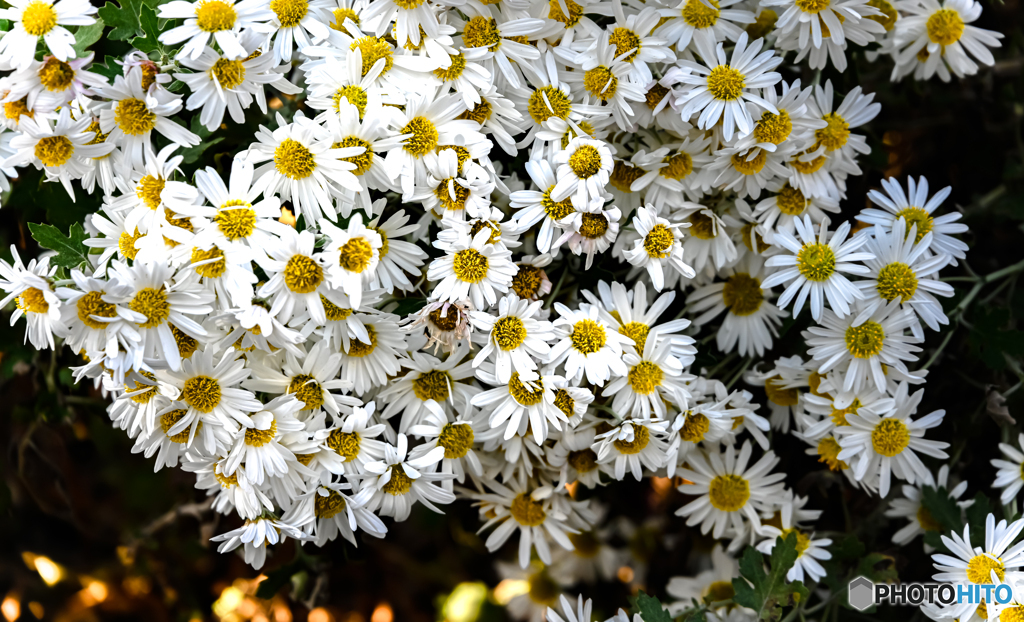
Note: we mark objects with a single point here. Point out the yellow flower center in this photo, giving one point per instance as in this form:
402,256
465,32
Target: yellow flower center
293,160
453,71
746,165
153,304
259,438
659,241
834,135
213,269
866,340
303,274
593,226
355,255
584,460
742,294
637,332
1012,614
307,390
839,414
33,300
444,192
728,493
645,377
585,161
588,336
916,216
828,453
355,95
655,95
92,304
150,189
549,101
228,73
625,40
896,280
14,110
54,150
289,12
726,83
699,15
345,444
980,567
215,15
525,394
202,393
373,49
359,349
601,83
187,346
694,428
526,511
945,27
56,75
329,506
565,403
526,282
400,483
509,332
889,14
809,167
890,437
481,32
678,166
570,20
812,6
134,117
763,25
340,15
641,437
816,262
237,223
432,385
38,18
778,394
457,440
718,591
479,113
470,265
423,139
167,421
772,128
702,226
791,201
750,237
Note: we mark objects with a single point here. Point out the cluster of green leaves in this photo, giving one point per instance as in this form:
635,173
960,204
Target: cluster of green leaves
946,512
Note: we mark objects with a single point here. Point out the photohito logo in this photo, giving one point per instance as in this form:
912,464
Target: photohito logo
863,593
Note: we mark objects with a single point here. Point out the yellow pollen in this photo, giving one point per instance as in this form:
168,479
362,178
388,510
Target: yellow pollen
142,393
866,340
944,27
225,481
728,493
526,511
742,294
150,189
698,14
228,73
92,304
625,40
56,75
1011,614
585,161
583,460
816,262
167,421
763,25
808,167
54,150
772,128
355,96
702,226
828,453
980,567
187,346
556,211
215,15
812,6
623,175
637,332
293,160
479,113
444,192
134,117
153,304
237,223
678,166
359,349
345,444
423,139
834,135
528,393
890,437
839,414
526,283
14,110
33,300
457,440
645,377
340,15
726,83
202,393
896,280
362,161
750,237
355,255
889,14
779,395
588,336
565,403
432,385
211,270
919,217
655,95
334,312
373,49
259,438
470,265
400,483
481,32
549,101
791,201
38,18
694,428
509,332
593,226
641,437
659,241
601,83
302,274
570,20
453,71
746,165
307,390
289,12
329,506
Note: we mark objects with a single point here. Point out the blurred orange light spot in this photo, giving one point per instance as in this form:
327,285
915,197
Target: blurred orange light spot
382,613
11,607
36,609
319,615
275,104
571,487
625,574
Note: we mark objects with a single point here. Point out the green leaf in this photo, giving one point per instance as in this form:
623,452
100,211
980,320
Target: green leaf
878,567
650,609
109,69
150,26
86,36
768,592
124,20
71,249
976,515
192,154
942,507
697,615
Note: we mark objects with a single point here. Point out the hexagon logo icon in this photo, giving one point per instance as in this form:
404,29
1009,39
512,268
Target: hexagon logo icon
861,592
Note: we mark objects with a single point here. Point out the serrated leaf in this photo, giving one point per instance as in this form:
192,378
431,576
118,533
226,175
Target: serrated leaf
650,609
124,21
109,68
149,24
86,36
697,615
768,592
71,249
943,508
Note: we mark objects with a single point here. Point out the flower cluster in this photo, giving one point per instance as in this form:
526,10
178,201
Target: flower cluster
372,305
